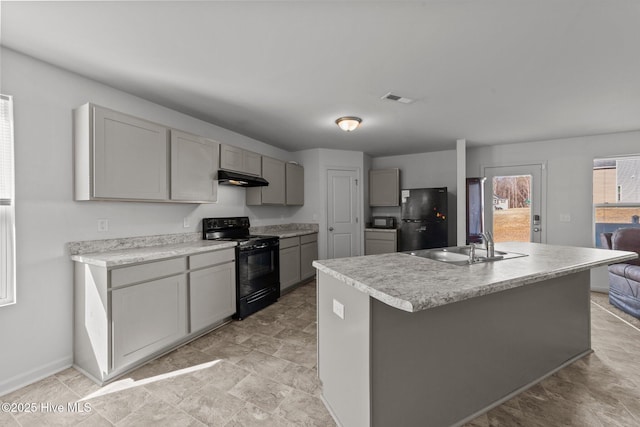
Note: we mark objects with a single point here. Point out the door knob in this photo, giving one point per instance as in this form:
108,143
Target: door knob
536,229
330,228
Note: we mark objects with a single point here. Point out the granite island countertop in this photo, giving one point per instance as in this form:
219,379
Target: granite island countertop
121,257
413,284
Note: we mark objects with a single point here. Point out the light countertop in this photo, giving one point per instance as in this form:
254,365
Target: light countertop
383,230
284,231
413,284
150,253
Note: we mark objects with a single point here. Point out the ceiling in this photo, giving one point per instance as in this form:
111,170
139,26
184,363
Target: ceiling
488,71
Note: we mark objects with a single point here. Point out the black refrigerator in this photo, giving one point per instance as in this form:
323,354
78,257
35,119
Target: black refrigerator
423,219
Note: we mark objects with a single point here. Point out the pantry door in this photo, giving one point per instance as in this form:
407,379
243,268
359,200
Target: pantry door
515,202
343,228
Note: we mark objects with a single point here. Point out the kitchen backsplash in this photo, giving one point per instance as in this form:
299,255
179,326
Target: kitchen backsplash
278,228
91,246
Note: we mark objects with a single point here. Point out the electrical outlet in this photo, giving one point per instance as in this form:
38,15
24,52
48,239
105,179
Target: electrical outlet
103,225
185,222
565,217
338,309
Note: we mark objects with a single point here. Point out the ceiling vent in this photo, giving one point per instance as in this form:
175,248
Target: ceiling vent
401,99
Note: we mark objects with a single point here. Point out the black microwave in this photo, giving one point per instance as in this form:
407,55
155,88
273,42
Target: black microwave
383,222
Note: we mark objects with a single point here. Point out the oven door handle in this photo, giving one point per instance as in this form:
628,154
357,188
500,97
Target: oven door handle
259,248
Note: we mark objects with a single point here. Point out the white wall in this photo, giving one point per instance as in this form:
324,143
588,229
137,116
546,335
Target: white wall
569,180
36,333
425,170
314,209
313,205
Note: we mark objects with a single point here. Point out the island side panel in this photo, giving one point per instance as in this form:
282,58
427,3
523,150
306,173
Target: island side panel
343,351
440,366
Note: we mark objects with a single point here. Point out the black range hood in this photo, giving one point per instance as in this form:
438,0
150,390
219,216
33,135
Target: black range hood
240,180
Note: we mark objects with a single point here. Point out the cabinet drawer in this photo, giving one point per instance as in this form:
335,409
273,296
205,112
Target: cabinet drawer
379,235
375,247
308,238
289,242
212,258
144,272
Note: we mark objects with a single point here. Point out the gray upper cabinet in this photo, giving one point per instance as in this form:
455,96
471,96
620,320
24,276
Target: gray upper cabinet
118,156
294,184
240,160
384,187
194,164
273,170
123,158
252,163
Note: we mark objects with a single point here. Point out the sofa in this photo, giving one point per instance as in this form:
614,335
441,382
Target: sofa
624,278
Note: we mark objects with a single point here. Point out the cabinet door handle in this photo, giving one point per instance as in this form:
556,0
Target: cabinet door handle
330,228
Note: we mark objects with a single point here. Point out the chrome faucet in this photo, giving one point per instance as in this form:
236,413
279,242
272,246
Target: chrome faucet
489,244
472,253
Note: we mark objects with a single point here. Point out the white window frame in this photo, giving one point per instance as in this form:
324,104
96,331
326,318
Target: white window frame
7,204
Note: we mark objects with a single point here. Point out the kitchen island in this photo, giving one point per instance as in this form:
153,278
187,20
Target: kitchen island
410,341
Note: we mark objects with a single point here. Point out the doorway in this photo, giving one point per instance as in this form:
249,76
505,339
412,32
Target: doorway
514,202
343,236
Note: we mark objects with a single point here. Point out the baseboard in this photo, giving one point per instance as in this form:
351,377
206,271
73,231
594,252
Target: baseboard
34,375
601,289
330,410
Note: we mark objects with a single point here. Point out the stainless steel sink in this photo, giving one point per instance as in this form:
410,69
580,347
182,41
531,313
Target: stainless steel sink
459,255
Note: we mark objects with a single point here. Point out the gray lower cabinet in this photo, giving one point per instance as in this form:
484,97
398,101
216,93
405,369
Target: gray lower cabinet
127,315
380,242
308,254
147,317
212,294
289,262
296,256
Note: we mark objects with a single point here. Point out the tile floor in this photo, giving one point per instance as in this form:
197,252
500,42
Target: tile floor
261,372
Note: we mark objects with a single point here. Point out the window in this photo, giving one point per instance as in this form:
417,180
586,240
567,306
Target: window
7,205
616,194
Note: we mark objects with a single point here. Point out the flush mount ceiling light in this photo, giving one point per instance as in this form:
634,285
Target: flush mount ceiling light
348,124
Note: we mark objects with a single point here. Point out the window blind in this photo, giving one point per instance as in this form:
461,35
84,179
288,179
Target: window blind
6,150
7,209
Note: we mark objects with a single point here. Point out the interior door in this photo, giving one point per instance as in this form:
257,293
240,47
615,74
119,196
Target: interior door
342,216
514,202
